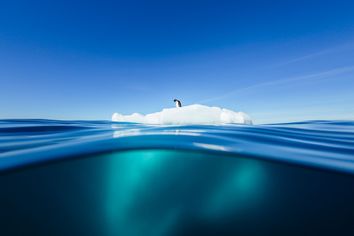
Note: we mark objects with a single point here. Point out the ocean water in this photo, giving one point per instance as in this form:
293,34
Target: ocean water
109,178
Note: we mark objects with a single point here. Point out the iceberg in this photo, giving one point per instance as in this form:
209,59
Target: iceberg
192,114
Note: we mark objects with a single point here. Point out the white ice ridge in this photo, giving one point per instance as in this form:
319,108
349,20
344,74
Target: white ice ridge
192,114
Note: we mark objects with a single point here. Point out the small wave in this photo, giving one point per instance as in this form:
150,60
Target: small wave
320,144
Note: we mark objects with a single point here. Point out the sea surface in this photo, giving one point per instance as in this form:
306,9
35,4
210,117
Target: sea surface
110,178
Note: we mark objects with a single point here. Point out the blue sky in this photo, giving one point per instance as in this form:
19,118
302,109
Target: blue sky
278,61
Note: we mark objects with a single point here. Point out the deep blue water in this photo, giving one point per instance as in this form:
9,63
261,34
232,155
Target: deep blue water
108,178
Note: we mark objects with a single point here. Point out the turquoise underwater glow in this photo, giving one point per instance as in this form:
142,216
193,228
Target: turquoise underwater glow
104,178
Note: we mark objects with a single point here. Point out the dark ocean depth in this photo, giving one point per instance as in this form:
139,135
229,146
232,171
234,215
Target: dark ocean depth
108,178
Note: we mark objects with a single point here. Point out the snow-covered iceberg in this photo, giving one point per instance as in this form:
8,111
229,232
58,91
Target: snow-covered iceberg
192,114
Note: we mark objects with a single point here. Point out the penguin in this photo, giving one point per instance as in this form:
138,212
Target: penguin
177,102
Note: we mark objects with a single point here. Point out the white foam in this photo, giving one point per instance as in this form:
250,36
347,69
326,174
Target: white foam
192,114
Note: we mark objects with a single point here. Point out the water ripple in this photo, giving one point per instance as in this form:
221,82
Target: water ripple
320,144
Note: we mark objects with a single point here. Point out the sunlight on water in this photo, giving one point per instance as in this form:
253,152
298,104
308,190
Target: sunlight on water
243,186
126,174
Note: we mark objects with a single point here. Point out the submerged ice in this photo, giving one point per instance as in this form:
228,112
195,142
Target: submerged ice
192,114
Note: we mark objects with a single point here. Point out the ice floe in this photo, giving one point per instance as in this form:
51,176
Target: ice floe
192,114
